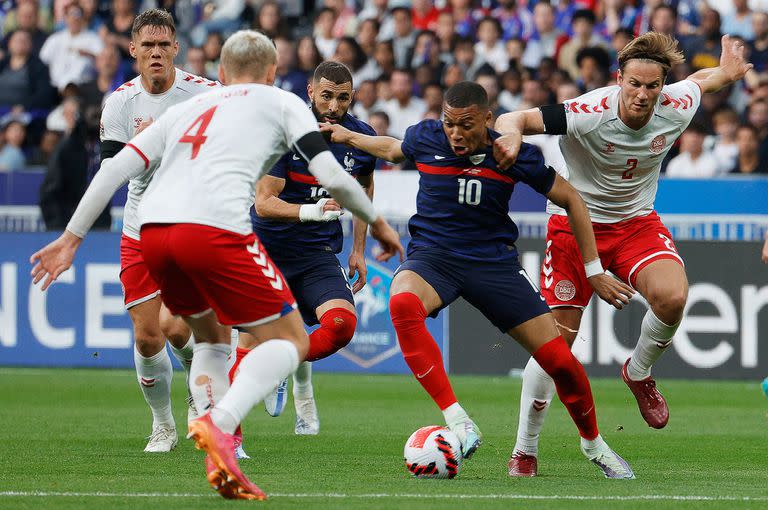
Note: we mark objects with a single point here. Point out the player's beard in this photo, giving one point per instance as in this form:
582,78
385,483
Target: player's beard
325,118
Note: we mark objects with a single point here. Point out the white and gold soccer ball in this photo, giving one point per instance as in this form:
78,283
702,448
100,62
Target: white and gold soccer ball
433,452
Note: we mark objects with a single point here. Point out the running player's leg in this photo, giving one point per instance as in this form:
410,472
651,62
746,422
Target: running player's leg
182,345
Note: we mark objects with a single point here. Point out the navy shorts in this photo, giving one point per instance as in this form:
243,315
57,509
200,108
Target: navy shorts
502,291
314,278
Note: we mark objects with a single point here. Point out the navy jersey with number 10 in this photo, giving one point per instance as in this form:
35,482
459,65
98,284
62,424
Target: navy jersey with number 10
463,201
287,238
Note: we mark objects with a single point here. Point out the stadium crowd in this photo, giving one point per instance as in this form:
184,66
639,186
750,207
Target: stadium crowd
59,60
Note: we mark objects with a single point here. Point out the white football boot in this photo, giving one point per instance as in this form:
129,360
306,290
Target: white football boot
275,402
307,421
469,434
163,439
609,462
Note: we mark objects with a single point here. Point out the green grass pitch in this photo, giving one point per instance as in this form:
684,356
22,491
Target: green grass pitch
74,439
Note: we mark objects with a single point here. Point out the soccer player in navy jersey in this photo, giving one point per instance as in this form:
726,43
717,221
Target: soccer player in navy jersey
298,223
463,244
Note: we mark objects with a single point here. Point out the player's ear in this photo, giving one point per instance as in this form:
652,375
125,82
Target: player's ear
222,75
271,74
175,48
132,49
309,88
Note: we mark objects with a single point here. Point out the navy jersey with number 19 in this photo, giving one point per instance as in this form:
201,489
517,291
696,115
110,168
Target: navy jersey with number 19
463,201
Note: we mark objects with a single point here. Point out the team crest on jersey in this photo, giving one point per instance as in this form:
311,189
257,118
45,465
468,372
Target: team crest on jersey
349,162
565,290
476,159
137,122
609,148
658,144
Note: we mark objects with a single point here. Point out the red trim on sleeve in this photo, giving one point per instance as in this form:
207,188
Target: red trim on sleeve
303,178
138,151
472,171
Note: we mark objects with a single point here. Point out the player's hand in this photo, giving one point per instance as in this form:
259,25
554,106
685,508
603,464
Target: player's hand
506,149
732,58
611,290
144,125
388,239
325,209
54,259
335,132
765,249
357,265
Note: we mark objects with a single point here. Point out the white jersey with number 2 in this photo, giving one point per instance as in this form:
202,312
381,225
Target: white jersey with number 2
130,105
213,149
615,168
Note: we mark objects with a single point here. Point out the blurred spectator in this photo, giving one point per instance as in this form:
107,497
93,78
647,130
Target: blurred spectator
93,20
452,75
69,53
566,91
379,10
11,155
67,175
702,50
757,117
405,38
42,153
594,66
323,32
433,96
488,79
489,47
583,37
534,94
621,14
403,109
379,121
749,160
307,56
384,57
466,16
446,35
349,53
465,56
109,76
723,143
510,97
57,119
693,160
516,21
664,20
426,52
270,21
618,41
365,100
345,23
383,90
117,29
759,46
739,21
287,76
424,15
543,42
195,63
24,79
221,16
27,18
367,35
212,49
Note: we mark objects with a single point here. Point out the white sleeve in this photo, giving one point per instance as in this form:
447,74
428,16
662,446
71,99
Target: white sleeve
683,98
586,112
114,172
298,119
114,124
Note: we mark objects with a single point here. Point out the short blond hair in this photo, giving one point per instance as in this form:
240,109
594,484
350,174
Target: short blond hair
248,53
652,47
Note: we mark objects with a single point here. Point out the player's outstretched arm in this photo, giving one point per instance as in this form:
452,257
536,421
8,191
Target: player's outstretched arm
270,205
57,256
609,289
384,147
733,66
512,127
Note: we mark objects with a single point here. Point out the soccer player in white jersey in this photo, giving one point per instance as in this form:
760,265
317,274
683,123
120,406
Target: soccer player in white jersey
197,240
127,111
614,140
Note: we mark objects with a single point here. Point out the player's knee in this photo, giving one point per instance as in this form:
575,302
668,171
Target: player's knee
406,308
342,323
149,343
669,305
175,330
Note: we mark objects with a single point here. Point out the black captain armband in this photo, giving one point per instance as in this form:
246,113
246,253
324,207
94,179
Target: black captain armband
554,119
110,148
310,145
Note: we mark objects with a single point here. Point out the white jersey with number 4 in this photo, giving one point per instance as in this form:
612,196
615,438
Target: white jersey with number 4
616,168
130,105
213,149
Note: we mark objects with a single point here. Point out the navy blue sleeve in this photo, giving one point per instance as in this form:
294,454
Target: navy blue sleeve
366,162
531,169
280,170
411,142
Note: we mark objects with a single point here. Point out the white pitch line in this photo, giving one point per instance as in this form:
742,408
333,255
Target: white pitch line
337,495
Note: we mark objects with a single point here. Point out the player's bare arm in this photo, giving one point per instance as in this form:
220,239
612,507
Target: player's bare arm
513,126
609,289
733,66
384,147
269,205
356,261
765,249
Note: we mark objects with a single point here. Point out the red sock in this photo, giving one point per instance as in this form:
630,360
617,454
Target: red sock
240,353
337,327
420,350
571,383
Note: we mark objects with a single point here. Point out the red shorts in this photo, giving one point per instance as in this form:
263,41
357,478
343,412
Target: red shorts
201,268
625,248
138,285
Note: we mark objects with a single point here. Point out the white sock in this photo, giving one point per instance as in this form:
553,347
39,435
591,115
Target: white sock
454,413
655,337
260,371
208,380
302,381
154,375
234,341
184,355
592,447
535,399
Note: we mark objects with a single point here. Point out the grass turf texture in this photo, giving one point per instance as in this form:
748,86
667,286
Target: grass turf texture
75,433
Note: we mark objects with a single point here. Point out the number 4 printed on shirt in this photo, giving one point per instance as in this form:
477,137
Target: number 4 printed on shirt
198,138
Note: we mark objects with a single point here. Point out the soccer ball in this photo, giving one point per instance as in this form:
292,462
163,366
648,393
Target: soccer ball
433,452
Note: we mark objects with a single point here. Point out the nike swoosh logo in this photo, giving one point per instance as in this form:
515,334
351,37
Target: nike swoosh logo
421,376
539,405
296,158
439,157
588,411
